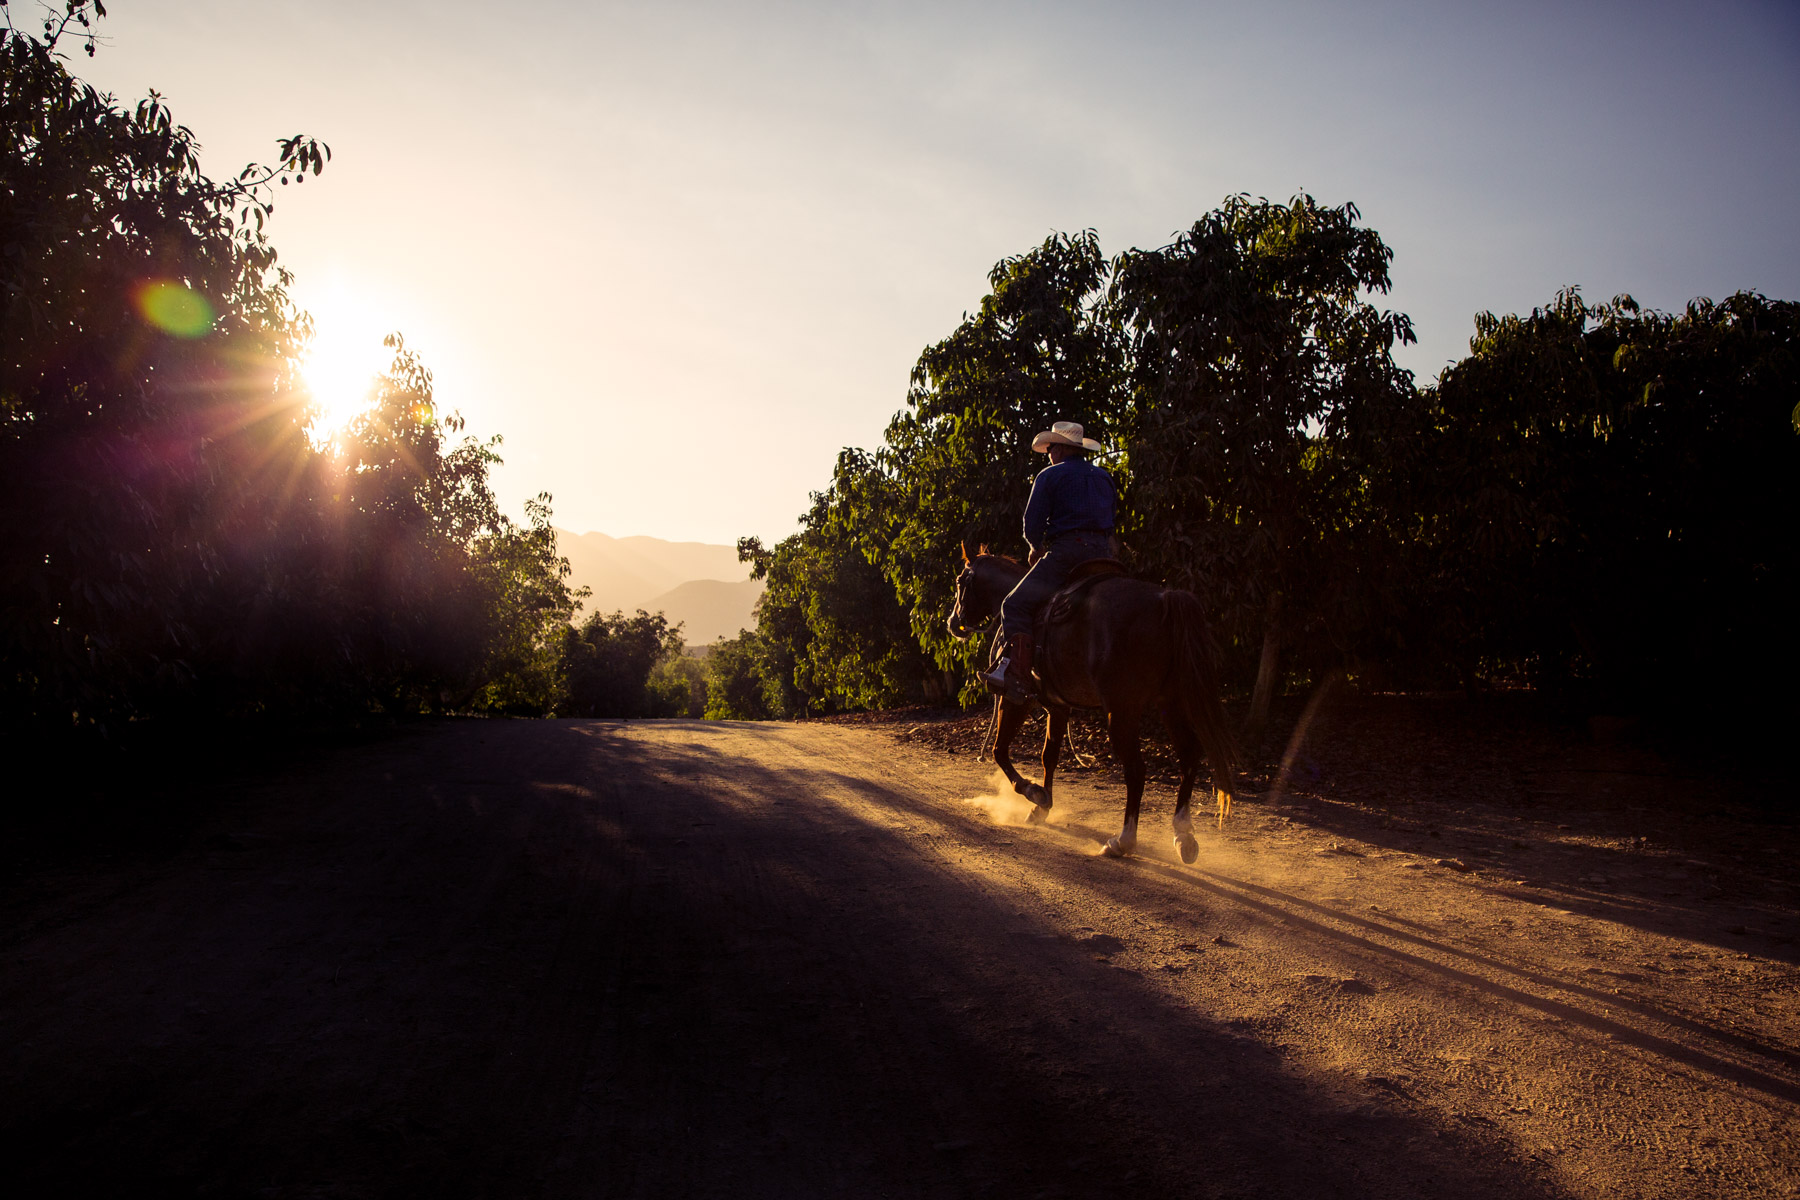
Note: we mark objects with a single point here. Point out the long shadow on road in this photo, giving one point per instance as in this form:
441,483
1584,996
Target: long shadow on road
574,958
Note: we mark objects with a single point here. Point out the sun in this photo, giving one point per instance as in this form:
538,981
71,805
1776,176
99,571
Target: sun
343,361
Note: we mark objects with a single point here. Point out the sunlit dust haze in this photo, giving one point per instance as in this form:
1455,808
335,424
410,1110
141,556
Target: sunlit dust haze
1002,805
680,254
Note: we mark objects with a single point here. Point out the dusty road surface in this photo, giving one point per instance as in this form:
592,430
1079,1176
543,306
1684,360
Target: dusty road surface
674,959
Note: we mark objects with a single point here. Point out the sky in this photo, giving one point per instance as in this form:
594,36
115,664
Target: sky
679,254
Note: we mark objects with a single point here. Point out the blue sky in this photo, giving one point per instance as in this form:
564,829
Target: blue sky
679,254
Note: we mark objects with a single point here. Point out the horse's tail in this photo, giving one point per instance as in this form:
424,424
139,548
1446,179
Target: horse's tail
1195,695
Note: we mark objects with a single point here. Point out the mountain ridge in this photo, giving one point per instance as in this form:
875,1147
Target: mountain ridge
702,585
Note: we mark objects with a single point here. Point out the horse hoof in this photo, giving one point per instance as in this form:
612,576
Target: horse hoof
1038,815
1118,847
1187,847
1036,794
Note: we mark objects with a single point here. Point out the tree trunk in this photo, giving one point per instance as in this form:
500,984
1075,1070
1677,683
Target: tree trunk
1266,674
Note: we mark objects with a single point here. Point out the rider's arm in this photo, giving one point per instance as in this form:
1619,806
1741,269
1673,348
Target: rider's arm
1037,513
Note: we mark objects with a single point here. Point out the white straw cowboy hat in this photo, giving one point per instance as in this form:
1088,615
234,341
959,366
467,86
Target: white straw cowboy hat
1064,433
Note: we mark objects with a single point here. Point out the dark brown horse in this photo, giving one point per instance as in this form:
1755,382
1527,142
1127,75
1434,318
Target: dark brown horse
1124,646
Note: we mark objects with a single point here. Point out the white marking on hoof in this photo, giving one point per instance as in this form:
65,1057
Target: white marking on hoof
1123,844
1187,847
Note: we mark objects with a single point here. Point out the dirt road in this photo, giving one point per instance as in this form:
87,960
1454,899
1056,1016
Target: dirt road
692,959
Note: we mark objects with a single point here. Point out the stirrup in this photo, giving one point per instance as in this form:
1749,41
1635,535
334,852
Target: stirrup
1011,688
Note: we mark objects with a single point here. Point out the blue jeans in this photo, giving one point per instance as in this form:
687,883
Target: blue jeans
1047,576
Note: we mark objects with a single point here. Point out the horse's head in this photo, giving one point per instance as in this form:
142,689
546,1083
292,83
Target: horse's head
983,583
961,613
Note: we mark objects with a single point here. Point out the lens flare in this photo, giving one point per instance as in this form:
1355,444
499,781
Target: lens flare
175,308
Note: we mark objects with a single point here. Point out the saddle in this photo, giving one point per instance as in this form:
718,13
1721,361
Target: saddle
1061,606
1059,609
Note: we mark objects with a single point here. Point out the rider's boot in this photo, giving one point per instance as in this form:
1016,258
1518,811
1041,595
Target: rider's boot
995,676
1011,676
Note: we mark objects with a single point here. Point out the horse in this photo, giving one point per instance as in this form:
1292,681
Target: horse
1123,646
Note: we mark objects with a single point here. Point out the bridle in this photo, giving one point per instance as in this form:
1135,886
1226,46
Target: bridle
959,628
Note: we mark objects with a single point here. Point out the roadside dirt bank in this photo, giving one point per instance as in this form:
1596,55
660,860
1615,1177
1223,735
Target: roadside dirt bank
690,959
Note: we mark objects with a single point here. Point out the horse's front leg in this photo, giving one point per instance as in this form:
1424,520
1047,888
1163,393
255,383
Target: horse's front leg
1011,717
1123,728
1056,725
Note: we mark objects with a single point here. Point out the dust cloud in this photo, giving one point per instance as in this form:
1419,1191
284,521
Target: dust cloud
1002,805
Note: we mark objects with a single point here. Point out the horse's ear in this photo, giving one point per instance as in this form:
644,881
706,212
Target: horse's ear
984,548
965,550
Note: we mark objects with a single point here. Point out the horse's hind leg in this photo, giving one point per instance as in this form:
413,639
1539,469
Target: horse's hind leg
1011,717
1055,727
1187,749
1124,730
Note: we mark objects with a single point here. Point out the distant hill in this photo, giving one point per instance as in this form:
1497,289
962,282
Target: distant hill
698,583
710,609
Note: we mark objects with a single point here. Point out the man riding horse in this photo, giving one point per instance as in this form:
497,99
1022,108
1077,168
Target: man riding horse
1068,521
1128,647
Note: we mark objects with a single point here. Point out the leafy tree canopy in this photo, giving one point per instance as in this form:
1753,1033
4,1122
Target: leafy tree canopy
608,661
174,544
1253,349
1610,494
738,680
831,633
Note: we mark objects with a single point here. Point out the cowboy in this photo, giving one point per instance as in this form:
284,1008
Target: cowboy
1068,521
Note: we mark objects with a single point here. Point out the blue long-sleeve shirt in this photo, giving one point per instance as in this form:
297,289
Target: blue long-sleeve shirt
1066,497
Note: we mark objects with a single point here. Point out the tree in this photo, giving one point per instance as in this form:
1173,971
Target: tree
525,589
1609,495
147,391
831,634
173,545
736,680
607,661
1264,391
678,686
